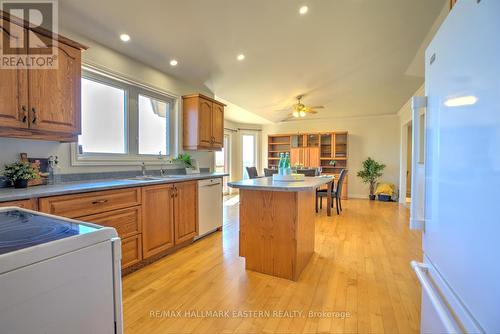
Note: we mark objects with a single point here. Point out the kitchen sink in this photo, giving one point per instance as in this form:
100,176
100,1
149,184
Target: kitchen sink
154,178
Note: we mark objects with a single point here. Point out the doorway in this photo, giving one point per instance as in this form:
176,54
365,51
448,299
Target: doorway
222,163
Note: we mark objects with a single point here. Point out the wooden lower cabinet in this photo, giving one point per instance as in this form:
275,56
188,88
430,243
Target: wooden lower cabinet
185,211
131,250
30,204
80,205
158,219
127,222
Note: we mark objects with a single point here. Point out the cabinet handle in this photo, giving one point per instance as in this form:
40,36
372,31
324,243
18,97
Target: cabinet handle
172,192
100,201
25,118
34,115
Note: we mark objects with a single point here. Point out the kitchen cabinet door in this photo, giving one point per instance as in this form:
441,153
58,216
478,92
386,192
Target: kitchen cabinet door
54,94
312,157
297,156
13,86
186,211
205,123
30,204
157,219
218,125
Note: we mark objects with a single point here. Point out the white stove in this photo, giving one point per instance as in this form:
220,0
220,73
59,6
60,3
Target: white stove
58,275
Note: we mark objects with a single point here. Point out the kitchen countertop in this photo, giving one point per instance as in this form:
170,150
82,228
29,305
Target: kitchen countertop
12,194
267,184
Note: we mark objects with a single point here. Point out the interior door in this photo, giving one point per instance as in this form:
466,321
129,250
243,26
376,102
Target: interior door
55,94
205,123
13,83
218,125
185,211
157,219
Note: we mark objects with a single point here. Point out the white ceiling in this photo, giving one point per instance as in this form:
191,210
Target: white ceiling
350,55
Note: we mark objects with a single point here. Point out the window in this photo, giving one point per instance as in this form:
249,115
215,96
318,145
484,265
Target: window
122,123
103,118
153,126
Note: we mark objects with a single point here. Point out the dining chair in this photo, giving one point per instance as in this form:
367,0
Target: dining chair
336,193
252,172
270,172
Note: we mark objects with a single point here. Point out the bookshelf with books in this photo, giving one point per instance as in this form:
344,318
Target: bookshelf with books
332,147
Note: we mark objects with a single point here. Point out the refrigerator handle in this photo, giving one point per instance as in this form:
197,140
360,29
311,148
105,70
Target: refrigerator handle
417,200
421,270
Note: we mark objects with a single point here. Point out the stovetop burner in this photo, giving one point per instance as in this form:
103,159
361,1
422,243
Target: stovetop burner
20,229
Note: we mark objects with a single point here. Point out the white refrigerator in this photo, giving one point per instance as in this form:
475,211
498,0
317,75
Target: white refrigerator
460,273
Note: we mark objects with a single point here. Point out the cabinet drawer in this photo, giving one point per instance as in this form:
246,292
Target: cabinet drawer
74,206
29,204
127,222
131,250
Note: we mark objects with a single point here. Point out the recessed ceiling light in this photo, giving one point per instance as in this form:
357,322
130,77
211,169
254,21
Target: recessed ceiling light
174,62
303,10
125,37
240,57
461,101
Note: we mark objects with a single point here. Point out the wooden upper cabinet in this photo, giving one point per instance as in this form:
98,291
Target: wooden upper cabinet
54,94
13,92
186,213
203,123
41,103
218,125
157,219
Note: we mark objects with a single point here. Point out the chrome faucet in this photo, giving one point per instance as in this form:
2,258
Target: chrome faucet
143,169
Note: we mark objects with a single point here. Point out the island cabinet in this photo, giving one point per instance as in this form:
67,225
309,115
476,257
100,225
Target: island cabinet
41,103
170,216
203,123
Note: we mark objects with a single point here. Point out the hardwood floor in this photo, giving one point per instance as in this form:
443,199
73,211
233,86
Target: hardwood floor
359,277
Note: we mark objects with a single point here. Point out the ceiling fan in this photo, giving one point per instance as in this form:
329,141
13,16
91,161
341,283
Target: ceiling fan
301,110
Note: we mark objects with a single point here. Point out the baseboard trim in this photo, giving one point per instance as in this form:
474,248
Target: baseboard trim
417,224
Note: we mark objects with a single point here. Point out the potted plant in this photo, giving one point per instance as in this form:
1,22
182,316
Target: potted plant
20,173
185,159
370,173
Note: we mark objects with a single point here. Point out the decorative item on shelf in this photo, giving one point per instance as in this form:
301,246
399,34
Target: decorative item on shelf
333,163
20,172
371,172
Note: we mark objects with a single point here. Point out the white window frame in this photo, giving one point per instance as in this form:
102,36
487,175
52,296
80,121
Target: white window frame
132,157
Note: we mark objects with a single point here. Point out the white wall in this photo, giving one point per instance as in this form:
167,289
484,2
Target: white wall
106,59
377,137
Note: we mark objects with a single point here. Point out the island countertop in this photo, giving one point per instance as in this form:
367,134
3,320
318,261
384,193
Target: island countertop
267,184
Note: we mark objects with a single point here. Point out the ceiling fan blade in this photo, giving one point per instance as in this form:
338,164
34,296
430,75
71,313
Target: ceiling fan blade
317,107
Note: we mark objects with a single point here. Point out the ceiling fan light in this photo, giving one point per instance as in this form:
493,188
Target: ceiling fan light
295,114
302,113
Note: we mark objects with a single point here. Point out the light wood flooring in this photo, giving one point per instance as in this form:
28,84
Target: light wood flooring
358,281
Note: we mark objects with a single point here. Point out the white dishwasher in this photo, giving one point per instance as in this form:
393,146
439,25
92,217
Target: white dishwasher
209,206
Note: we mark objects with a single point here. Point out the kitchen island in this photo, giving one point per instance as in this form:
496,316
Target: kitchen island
277,224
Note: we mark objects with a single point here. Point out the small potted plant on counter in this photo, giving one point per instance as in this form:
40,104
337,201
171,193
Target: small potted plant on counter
371,172
20,173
